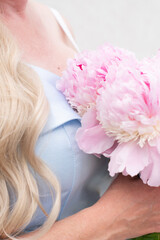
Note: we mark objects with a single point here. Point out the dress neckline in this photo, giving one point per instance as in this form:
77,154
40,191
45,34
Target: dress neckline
43,69
68,34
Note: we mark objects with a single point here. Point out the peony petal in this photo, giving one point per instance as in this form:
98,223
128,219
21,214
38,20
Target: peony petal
108,152
93,140
129,158
155,143
146,173
89,118
91,137
151,174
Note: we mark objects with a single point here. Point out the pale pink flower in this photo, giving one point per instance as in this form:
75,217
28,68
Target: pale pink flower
129,111
118,98
91,136
87,73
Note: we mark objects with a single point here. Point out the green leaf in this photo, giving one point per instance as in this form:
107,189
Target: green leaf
153,236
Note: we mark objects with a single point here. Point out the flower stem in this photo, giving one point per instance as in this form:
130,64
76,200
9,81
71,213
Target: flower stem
152,236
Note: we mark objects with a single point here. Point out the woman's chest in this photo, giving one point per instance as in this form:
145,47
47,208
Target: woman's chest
43,42
48,54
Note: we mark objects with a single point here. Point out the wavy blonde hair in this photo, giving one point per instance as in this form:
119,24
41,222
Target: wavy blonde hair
23,113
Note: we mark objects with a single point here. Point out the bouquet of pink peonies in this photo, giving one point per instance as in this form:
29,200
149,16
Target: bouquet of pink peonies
118,98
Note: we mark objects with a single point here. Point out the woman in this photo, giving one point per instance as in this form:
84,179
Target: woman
37,141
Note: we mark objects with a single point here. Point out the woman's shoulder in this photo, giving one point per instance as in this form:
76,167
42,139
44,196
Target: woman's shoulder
47,13
53,46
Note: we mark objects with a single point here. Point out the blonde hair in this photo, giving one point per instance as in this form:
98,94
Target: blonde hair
23,114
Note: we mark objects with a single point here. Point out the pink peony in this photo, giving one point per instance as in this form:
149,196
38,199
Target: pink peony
87,73
119,101
128,109
91,136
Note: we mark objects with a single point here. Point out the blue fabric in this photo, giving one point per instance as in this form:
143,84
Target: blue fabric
83,177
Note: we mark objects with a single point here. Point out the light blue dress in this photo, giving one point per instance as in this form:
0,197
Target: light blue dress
83,177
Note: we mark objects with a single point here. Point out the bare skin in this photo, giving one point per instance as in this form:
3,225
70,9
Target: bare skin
40,38
129,208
